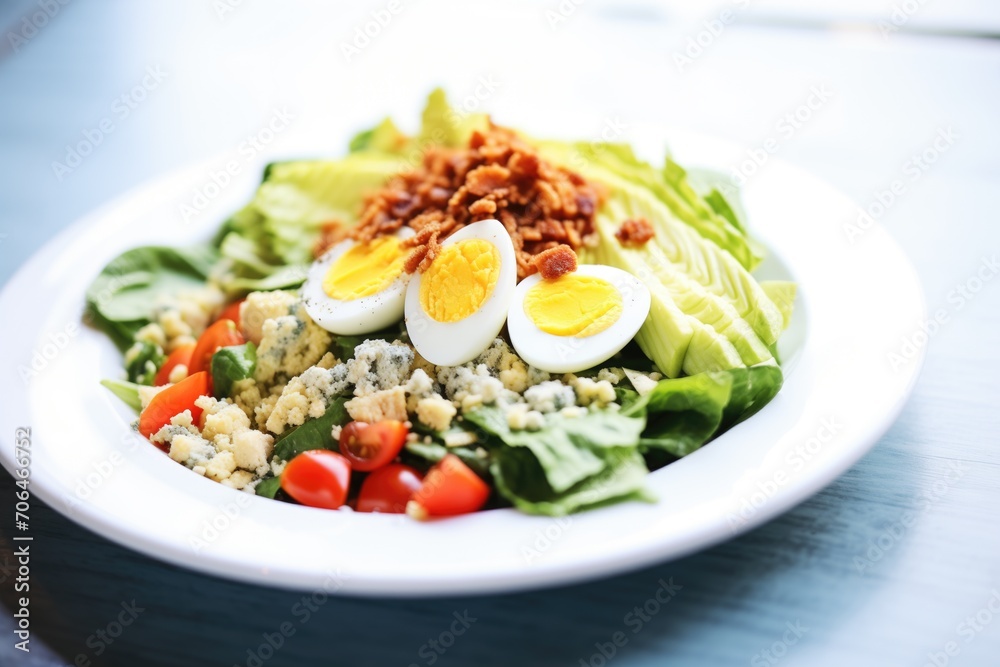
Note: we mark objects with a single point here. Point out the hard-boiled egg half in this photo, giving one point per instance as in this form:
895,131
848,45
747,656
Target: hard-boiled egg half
357,288
456,307
577,320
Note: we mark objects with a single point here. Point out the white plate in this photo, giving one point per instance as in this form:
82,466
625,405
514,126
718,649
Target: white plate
856,304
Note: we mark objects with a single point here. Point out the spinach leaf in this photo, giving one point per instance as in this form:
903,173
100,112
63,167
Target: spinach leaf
434,452
314,434
568,449
268,487
521,479
120,300
231,364
684,413
144,363
753,388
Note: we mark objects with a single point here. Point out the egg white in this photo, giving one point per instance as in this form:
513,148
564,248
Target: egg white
357,316
569,354
454,343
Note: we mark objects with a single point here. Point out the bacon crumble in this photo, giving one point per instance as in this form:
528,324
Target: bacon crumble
496,176
635,232
555,262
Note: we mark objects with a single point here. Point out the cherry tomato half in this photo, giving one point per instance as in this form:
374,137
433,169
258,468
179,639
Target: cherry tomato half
221,334
232,312
388,489
174,400
318,478
450,488
181,355
371,446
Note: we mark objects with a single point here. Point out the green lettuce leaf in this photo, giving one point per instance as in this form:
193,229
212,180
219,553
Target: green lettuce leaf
683,414
752,389
521,479
144,363
230,365
267,488
120,300
313,434
431,453
568,449
128,392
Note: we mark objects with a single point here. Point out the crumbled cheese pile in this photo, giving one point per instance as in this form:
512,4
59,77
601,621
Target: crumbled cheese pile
297,378
179,319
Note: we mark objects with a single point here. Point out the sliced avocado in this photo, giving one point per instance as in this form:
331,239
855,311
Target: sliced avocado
709,351
708,307
674,191
666,333
697,257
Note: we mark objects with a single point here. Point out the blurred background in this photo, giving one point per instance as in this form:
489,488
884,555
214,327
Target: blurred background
855,92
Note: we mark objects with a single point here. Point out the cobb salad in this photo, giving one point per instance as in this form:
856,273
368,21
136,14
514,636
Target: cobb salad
464,318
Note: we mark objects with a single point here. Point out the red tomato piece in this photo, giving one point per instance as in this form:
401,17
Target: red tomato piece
318,478
181,355
221,334
174,400
450,488
388,489
232,312
371,446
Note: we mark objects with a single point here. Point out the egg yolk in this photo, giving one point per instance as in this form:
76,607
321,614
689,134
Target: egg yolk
365,269
460,280
573,305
